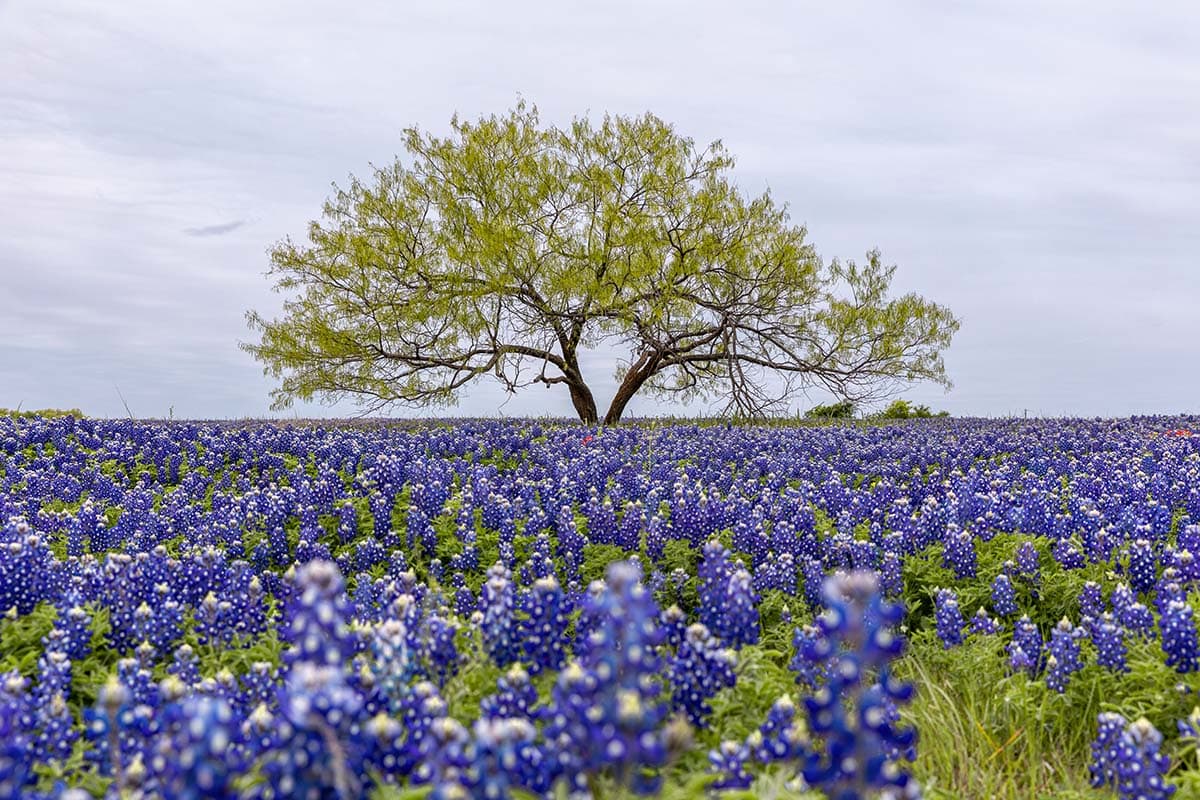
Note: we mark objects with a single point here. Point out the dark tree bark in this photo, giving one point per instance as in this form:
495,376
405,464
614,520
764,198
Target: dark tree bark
585,404
635,378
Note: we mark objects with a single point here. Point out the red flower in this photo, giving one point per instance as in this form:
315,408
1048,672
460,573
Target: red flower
587,438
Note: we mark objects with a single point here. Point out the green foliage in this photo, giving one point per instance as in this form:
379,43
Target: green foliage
986,733
41,412
21,638
679,554
596,558
843,410
902,409
509,245
1057,595
475,680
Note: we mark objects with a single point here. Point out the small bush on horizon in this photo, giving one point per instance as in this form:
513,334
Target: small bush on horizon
49,413
902,409
843,410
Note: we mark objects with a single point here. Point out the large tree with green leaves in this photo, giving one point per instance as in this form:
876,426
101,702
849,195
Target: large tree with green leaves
511,247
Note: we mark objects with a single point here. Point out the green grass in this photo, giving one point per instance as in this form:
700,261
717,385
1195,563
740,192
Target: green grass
985,733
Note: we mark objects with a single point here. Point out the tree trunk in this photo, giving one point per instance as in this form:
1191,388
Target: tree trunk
638,374
585,404
581,395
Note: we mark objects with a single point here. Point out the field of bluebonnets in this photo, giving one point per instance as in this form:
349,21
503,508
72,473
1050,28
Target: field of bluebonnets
959,608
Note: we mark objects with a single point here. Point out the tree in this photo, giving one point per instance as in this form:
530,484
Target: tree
509,248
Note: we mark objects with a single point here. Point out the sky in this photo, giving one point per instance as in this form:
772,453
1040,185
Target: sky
1035,167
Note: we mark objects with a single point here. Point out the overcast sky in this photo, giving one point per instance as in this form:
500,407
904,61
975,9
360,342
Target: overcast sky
1034,166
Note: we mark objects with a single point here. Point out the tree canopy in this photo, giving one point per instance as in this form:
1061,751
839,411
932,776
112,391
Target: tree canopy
509,248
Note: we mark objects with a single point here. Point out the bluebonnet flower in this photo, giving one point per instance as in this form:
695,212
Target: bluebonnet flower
185,665
541,631
439,651
1137,619
464,601
812,650
728,603
1027,563
381,506
1189,727
502,755
1143,566
1068,555
314,754
1091,600
958,552
679,578
814,579
739,623
198,754
983,624
1025,649
1127,758
658,534
158,626
1109,639
700,669
1185,562
317,616
402,747
312,747
778,573
368,554
950,622
395,643
1004,596
606,709
1063,659
570,541
56,732
890,578
75,623
728,761
515,697
498,625
419,528
673,624
120,734
782,737
138,680
347,529
445,758
214,621
714,573
1168,590
851,713
259,685
16,757
54,673
1020,661
540,563
1179,641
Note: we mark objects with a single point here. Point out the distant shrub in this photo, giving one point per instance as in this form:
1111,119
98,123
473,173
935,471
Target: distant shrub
842,410
41,412
902,409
